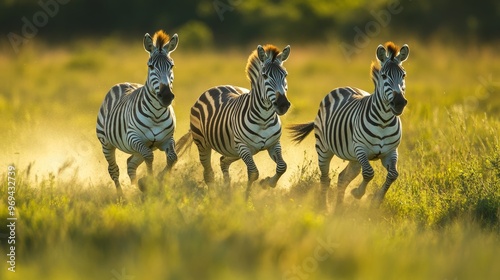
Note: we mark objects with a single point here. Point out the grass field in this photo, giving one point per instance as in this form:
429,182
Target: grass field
440,219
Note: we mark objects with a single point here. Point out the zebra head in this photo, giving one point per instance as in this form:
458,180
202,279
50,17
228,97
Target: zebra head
391,76
273,77
160,72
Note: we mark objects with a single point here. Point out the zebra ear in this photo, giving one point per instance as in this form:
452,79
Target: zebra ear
404,52
148,43
172,44
381,53
261,53
283,56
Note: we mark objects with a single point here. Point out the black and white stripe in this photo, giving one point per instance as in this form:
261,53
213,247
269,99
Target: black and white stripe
238,123
138,119
359,127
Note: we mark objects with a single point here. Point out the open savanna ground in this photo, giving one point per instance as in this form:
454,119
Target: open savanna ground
440,219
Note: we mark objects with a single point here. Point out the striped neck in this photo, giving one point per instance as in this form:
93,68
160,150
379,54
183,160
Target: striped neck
258,99
150,96
380,109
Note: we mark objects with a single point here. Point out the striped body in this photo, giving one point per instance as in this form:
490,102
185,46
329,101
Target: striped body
138,119
238,123
127,115
347,119
359,127
259,129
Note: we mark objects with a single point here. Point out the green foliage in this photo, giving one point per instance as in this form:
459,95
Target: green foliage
243,21
196,35
458,184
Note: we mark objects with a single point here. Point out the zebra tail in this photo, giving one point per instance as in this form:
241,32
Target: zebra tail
299,132
184,143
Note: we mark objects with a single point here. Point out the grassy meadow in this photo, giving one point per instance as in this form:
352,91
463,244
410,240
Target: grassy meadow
440,219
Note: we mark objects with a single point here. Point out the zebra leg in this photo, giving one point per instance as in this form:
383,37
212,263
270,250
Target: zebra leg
390,163
367,172
225,162
324,158
345,177
275,154
253,172
132,163
147,155
171,158
205,154
113,169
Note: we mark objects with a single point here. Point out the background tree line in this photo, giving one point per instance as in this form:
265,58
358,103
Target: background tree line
243,21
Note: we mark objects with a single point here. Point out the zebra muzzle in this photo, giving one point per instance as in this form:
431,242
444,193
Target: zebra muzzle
398,103
165,96
282,104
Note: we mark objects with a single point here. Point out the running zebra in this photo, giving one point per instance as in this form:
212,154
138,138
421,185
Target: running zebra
138,119
358,127
238,123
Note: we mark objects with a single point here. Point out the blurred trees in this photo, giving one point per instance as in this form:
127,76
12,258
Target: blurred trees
241,21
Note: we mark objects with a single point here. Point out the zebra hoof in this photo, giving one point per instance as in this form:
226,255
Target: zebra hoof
267,182
161,176
119,193
357,193
377,200
143,184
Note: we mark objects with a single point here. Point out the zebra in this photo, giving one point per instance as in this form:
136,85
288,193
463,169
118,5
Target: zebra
359,127
138,119
238,122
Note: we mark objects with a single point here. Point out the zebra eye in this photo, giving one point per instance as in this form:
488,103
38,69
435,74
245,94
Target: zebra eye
384,76
151,66
264,75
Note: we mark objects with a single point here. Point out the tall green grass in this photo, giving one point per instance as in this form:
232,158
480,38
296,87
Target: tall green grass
440,219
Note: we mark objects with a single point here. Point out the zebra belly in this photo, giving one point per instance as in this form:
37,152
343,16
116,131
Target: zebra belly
343,142
150,141
255,145
151,134
378,140
378,152
380,149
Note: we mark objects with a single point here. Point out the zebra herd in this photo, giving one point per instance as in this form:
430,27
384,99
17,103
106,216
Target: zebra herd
238,123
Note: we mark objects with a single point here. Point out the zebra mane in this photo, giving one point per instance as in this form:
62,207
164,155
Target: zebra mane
160,39
392,49
374,73
254,62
